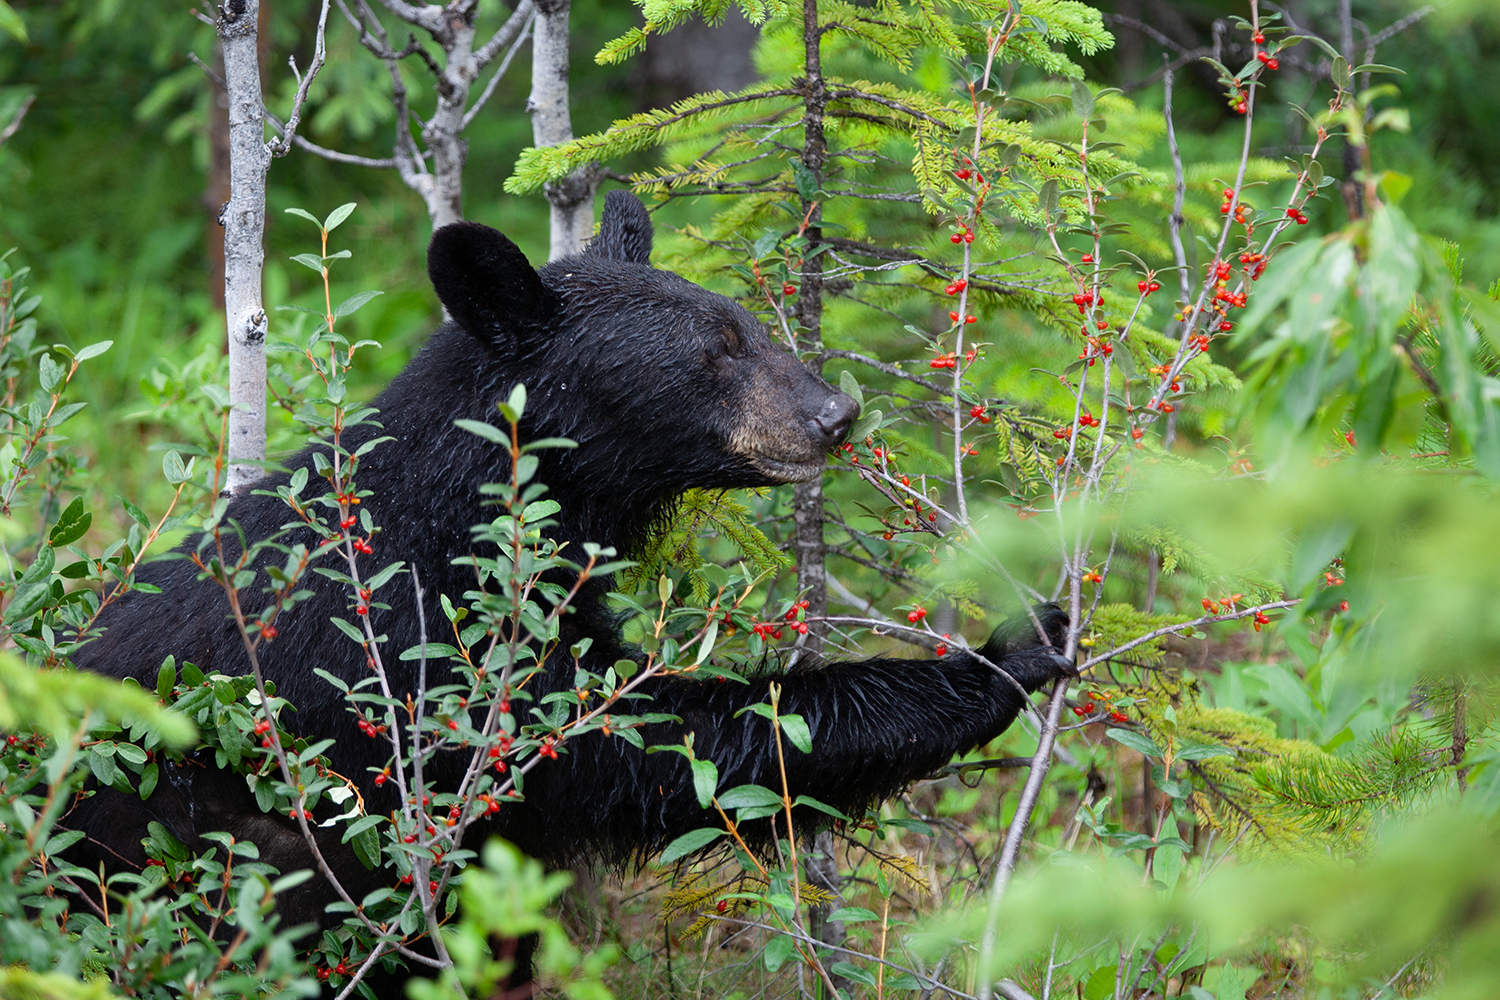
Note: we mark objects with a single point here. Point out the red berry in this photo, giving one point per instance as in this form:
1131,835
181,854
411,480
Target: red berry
1087,258
1258,38
977,412
956,238
788,289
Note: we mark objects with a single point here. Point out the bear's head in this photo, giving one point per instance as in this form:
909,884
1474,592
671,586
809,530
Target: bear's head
652,375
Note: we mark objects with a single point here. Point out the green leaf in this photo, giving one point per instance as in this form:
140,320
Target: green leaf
1083,100
71,526
353,302
337,216
166,677
868,423
749,795
1202,751
359,826
103,766
1134,741
349,630
852,915
150,774
435,650
92,350
690,842
812,803
777,951
515,406
173,468
854,972
795,729
130,752
305,215
310,260
850,386
540,509
705,781
49,372
805,181
487,431
11,23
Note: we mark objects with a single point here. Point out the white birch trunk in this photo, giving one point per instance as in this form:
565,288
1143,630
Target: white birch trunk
572,197
244,252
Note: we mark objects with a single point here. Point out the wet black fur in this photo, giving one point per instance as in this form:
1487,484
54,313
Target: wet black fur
653,377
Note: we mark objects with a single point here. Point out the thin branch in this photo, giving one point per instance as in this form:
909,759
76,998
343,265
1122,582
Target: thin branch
1169,629
429,17
1386,34
282,146
889,369
1175,221
387,163
15,122
510,33
510,54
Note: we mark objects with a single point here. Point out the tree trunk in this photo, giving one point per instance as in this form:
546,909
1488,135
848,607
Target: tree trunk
807,499
572,197
216,191
244,253
444,196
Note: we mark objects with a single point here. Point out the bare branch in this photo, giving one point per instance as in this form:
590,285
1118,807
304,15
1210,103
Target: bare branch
510,54
429,17
1386,34
218,81
283,145
338,157
15,122
889,369
1175,220
510,34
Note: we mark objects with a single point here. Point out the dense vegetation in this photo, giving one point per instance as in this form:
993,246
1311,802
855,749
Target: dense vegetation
1252,452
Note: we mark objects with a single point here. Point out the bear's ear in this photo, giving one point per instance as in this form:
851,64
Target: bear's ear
487,284
624,230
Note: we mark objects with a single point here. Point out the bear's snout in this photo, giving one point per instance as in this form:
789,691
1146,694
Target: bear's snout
829,425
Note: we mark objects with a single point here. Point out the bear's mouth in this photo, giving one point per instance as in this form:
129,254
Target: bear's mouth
784,471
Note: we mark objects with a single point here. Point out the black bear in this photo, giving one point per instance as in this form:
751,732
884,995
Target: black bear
665,387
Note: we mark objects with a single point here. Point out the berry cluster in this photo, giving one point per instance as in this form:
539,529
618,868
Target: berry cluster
1085,299
1294,213
1239,209
369,728
1099,704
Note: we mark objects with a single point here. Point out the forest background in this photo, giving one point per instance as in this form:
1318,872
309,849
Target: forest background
109,190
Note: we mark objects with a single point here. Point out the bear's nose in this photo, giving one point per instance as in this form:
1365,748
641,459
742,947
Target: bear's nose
835,418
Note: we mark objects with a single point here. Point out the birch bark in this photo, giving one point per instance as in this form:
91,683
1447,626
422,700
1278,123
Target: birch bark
571,198
244,249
